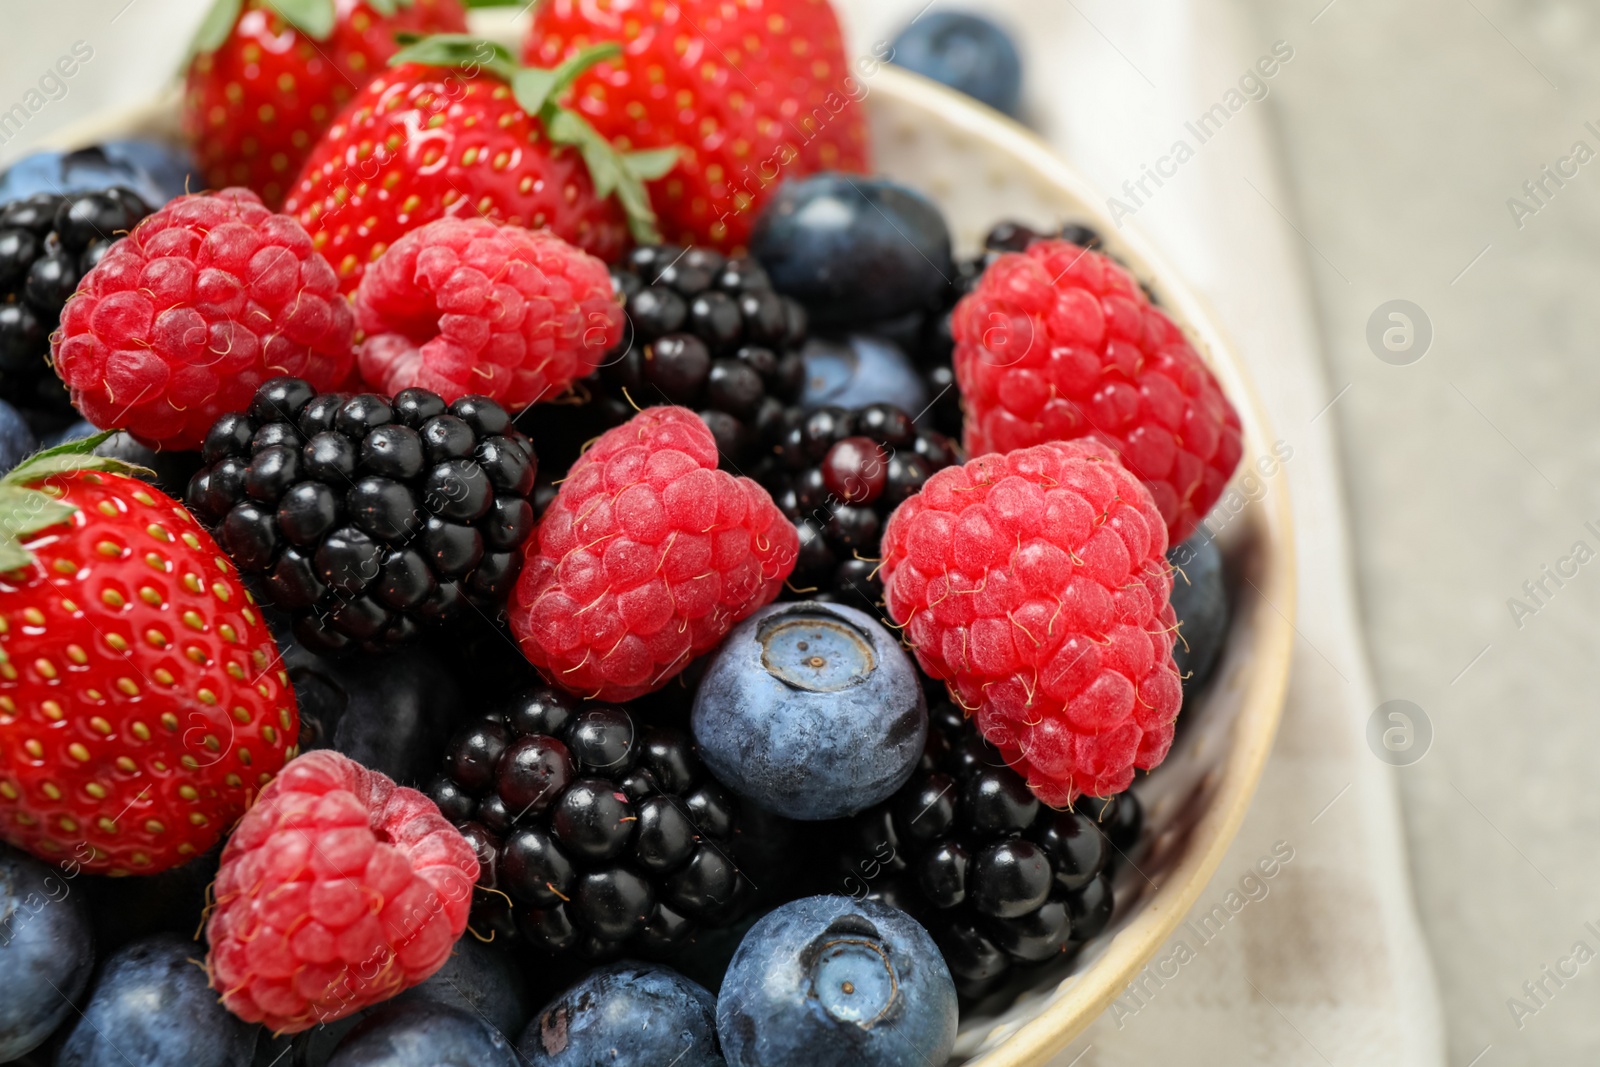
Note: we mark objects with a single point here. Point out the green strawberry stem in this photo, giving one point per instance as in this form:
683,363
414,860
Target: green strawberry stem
314,18
25,510
619,174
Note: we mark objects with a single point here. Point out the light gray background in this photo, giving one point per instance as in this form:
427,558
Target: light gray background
1403,129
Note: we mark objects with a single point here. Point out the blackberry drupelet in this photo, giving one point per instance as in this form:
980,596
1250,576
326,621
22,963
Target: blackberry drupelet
47,244
364,517
596,836
838,474
998,879
709,333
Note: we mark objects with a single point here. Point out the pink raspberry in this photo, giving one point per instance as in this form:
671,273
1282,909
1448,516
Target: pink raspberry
338,889
463,306
1058,343
201,303
646,558
1035,584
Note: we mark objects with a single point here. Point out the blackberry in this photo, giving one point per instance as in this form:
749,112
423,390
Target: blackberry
997,878
365,517
47,244
709,333
597,837
838,474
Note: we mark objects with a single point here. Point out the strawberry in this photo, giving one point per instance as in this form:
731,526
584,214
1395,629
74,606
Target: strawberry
757,91
455,127
142,700
269,76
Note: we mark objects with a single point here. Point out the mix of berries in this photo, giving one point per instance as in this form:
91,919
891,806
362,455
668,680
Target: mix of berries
367,517
707,333
598,833
750,672
48,242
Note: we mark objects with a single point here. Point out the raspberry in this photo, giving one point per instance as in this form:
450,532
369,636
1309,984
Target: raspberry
646,558
1035,585
470,306
1058,343
337,890
205,300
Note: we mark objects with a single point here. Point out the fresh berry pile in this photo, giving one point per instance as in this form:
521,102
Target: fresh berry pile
48,242
706,333
597,833
368,517
787,601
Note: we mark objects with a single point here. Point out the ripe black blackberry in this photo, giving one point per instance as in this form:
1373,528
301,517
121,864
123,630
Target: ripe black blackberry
709,333
838,474
998,879
365,517
47,244
596,836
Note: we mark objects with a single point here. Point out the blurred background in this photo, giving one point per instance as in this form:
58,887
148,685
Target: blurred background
1436,153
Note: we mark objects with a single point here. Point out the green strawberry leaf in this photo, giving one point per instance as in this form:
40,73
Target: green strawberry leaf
215,27
460,51
314,18
648,166
25,510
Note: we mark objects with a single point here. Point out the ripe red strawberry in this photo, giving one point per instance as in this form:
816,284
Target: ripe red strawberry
455,127
755,92
142,700
269,77
338,890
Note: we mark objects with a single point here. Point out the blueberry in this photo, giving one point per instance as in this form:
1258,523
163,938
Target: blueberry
626,1014
1200,600
853,249
392,713
967,52
858,371
414,1034
834,980
46,951
152,1005
157,172
811,710
16,440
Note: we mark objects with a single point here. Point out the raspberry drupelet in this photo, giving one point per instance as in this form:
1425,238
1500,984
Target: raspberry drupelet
470,306
336,891
201,303
1058,343
647,557
1035,584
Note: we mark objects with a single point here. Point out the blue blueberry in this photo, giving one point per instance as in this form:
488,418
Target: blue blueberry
626,1015
1200,600
46,951
811,710
426,1034
152,1007
831,980
392,713
16,439
967,52
854,249
156,171
131,909
857,371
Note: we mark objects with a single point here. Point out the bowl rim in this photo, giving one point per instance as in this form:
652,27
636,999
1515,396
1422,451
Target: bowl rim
1087,994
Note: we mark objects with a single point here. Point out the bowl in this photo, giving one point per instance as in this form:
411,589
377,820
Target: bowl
980,167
